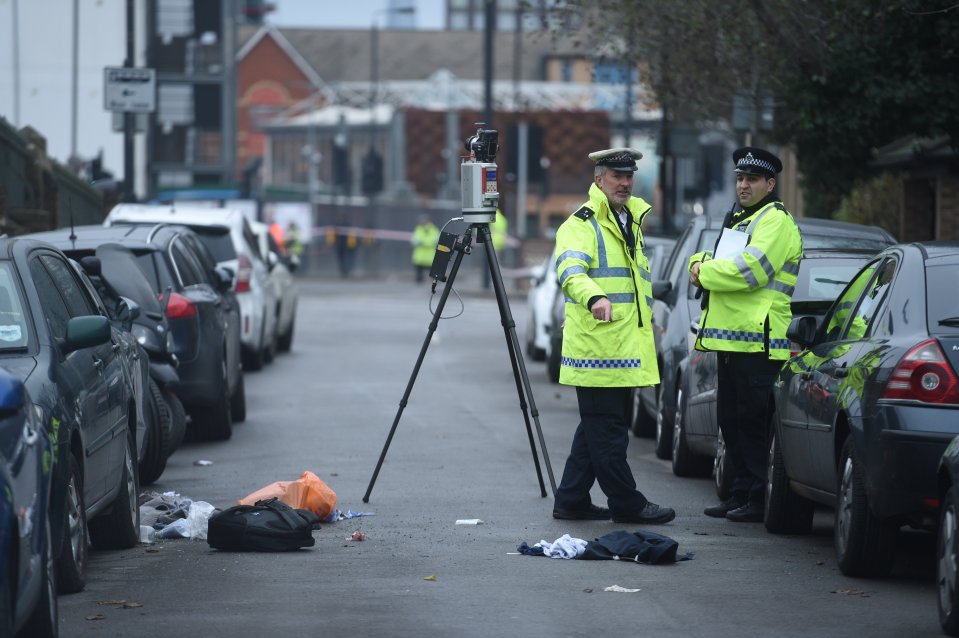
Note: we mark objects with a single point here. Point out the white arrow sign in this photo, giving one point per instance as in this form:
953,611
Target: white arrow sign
129,90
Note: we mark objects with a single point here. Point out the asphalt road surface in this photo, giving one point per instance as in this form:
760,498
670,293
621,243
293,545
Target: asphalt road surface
460,452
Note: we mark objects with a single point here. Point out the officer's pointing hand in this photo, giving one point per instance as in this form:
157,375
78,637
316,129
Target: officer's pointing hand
602,310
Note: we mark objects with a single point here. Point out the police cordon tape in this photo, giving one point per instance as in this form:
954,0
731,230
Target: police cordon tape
367,236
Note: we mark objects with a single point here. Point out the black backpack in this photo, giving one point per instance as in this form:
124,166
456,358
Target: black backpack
266,526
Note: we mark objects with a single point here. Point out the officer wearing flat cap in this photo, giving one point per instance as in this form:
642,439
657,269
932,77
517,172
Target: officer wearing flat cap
750,278
608,344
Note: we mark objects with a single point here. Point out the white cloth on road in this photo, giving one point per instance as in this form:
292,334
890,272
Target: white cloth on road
565,547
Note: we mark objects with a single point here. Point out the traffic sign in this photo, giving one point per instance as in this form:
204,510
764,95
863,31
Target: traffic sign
129,90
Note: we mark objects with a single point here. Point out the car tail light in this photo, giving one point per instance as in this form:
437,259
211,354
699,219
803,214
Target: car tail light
923,374
179,307
244,272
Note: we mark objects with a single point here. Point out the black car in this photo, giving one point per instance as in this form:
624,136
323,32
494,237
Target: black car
676,305
55,337
860,419
697,446
28,586
202,315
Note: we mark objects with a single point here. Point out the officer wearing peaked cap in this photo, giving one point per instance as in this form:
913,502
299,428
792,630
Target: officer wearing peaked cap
607,341
745,320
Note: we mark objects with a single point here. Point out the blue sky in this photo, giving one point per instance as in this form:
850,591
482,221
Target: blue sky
350,14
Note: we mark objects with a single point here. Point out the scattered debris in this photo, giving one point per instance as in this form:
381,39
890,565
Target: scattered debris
123,604
357,536
430,577
469,521
94,617
202,462
588,590
624,590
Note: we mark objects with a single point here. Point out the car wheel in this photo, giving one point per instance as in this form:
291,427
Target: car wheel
865,544
44,621
7,602
177,419
664,433
72,558
643,425
685,461
285,342
119,528
555,359
786,512
158,435
253,356
723,477
269,350
947,548
238,401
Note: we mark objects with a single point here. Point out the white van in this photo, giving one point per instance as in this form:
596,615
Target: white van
227,234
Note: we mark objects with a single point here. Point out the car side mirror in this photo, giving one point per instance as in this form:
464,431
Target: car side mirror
224,278
661,289
803,330
87,331
127,311
272,259
293,262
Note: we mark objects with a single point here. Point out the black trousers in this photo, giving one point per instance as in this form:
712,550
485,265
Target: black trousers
745,380
598,453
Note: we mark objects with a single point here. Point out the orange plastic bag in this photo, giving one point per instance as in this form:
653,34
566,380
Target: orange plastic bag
308,492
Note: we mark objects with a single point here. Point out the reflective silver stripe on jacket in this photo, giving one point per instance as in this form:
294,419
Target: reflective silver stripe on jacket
571,362
792,267
779,286
614,297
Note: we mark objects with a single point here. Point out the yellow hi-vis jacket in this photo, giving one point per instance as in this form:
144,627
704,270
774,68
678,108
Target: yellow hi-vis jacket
749,295
424,239
592,260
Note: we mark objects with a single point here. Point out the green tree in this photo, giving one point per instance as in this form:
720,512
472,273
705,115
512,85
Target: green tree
848,75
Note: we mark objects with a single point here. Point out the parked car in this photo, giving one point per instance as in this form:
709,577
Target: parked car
539,303
55,337
201,317
676,305
28,586
231,241
696,447
860,419
947,542
655,248
281,267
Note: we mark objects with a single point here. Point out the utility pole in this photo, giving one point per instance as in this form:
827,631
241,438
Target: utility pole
128,117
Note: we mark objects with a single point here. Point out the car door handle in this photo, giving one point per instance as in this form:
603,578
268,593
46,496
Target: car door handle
841,373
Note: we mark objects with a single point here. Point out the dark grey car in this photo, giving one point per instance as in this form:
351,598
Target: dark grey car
202,315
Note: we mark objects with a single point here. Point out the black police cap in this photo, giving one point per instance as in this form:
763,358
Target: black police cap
756,161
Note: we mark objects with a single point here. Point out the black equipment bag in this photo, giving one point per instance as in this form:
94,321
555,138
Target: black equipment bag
266,526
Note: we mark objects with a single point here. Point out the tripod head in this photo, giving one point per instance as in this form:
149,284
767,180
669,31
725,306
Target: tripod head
478,172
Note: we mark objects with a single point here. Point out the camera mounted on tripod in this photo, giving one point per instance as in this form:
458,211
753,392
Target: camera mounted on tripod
478,177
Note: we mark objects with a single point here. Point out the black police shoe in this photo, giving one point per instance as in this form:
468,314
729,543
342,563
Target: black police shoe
748,513
720,511
652,514
591,513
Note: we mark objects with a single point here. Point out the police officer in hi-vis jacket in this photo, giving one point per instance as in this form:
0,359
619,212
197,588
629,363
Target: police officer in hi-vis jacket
750,284
607,341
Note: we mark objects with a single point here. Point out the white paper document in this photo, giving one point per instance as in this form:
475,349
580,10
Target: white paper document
731,243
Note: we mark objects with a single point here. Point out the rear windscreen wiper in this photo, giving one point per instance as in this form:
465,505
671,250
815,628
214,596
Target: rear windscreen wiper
951,321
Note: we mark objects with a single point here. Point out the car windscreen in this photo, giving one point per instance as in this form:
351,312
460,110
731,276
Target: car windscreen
813,241
217,239
13,326
942,298
120,269
823,279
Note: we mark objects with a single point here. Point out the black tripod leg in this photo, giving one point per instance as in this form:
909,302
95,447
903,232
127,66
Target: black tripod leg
523,388
419,361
